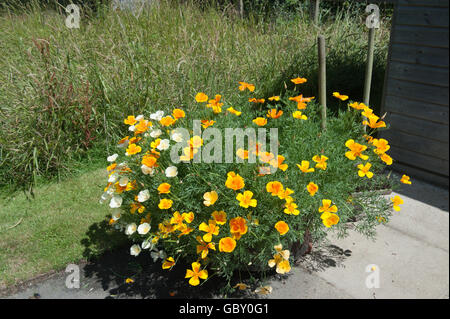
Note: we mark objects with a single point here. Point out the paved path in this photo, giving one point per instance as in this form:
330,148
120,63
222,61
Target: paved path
411,256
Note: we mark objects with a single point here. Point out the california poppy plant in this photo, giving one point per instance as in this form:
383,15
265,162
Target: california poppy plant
165,194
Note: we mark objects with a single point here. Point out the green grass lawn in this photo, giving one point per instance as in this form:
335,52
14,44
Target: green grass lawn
51,226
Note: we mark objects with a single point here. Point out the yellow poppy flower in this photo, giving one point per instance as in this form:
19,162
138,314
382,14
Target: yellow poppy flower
373,122
356,150
340,96
130,120
164,188
167,120
220,217
260,121
382,146
178,113
280,260
405,179
312,188
204,247
299,80
275,188
211,229
133,149
201,97
232,110
274,113
329,219
274,98
195,274
291,208
245,85
386,159
207,123
282,227
298,115
304,167
168,263
396,201
245,199
255,100
165,203
210,198
364,170
227,244
234,181
238,227
327,207
357,106
284,194
321,161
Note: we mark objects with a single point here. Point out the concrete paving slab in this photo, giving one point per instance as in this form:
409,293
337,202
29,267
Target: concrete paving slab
303,284
410,253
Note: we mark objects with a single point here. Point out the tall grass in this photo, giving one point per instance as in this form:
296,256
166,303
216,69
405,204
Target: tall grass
64,91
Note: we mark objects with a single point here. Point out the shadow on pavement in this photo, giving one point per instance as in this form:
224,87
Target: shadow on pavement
427,193
115,265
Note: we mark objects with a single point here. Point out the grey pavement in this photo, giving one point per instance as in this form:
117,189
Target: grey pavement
410,254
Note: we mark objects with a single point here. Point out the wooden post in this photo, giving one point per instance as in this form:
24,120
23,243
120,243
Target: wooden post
314,10
241,8
322,80
369,67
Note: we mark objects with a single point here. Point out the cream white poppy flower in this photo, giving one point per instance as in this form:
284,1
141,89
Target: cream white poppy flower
116,201
116,214
112,158
157,116
159,254
105,196
135,250
139,117
163,145
130,229
143,228
131,128
123,181
143,195
147,170
177,137
146,244
155,133
113,178
171,171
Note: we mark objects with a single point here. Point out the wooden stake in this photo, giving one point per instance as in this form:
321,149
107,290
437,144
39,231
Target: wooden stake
322,80
241,8
314,10
369,68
